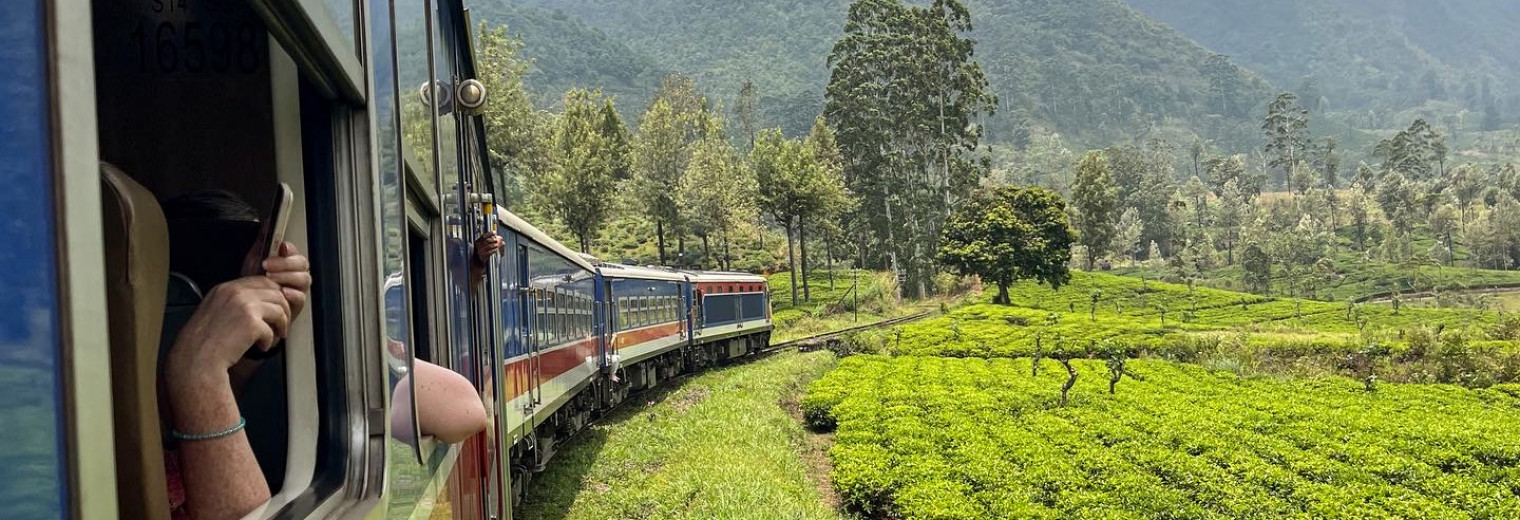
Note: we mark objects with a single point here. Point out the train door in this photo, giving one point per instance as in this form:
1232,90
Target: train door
530,329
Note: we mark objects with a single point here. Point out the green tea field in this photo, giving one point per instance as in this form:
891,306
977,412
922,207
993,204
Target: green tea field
938,438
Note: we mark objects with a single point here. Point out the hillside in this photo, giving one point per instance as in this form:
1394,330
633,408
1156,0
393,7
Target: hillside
1246,333
1095,69
566,53
1377,54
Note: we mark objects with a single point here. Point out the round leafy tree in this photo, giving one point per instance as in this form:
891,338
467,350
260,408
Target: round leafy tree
1007,234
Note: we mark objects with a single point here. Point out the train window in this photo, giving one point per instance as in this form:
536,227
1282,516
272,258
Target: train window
418,269
559,316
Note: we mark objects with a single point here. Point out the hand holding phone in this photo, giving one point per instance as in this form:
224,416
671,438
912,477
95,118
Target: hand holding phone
271,237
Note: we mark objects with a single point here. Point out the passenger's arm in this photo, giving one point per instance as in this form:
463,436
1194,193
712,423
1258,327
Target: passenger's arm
448,407
221,476
487,245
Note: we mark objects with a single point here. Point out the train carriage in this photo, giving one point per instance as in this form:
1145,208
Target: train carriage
367,110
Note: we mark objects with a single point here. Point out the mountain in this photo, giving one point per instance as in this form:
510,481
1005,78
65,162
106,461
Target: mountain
1382,55
566,53
1096,70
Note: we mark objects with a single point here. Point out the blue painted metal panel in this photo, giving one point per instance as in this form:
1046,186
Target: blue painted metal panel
33,468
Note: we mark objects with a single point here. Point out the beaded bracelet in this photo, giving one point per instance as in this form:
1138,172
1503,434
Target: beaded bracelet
242,422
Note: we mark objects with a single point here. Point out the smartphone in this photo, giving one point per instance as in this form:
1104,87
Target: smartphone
271,236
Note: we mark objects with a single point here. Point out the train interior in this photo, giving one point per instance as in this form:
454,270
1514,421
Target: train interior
191,96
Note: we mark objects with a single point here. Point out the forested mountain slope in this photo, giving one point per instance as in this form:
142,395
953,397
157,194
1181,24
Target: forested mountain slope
1364,54
566,53
1094,69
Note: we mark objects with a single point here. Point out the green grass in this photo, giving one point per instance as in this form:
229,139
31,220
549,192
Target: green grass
943,439
719,445
834,308
1202,324
877,290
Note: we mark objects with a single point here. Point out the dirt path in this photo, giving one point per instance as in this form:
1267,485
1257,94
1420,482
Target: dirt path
814,451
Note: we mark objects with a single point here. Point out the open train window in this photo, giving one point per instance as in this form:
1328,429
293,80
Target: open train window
196,95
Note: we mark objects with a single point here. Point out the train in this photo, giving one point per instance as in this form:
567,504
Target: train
370,111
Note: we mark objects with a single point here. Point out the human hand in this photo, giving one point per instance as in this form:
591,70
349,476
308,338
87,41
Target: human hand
246,312
292,270
488,244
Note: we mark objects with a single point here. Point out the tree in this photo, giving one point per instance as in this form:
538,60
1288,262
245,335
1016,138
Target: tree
1095,202
825,193
617,141
745,111
1229,217
1444,223
578,189
783,169
1287,132
1224,84
1328,164
905,96
515,131
1359,209
1007,234
1225,170
716,190
1257,268
660,152
1130,230
659,159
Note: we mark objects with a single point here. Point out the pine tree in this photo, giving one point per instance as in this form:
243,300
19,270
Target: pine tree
1095,203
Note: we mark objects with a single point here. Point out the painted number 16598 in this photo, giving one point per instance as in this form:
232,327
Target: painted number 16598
187,46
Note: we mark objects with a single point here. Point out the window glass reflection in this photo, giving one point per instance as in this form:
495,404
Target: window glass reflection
416,93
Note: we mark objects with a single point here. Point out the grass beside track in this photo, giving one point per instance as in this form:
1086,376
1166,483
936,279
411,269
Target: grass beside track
721,444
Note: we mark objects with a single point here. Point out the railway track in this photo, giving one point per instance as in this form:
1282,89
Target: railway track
814,340
819,339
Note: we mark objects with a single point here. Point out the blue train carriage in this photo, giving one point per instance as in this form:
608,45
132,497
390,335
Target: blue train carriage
733,317
553,329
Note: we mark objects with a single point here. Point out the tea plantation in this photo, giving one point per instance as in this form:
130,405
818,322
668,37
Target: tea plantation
940,438
1226,406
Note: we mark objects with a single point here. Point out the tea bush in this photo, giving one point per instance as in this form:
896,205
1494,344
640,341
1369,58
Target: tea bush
942,438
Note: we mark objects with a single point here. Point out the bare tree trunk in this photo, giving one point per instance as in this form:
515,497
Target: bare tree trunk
791,264
828,247
728,262
659,232
706,254
807,293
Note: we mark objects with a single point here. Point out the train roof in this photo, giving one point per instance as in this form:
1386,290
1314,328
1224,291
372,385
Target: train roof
524,228
641,273
724,276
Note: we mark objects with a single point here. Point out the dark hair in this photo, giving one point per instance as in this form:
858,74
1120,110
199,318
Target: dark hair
210,205
210,233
